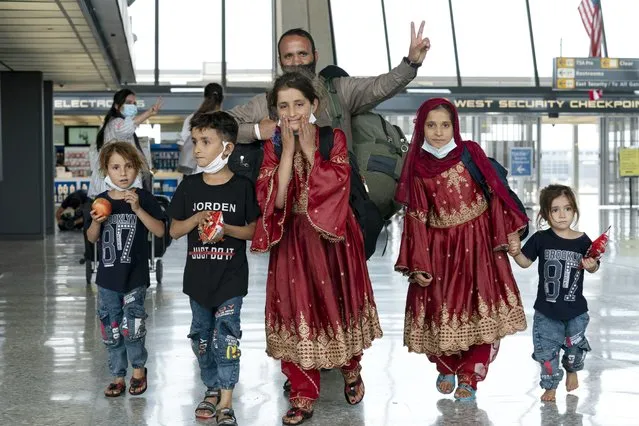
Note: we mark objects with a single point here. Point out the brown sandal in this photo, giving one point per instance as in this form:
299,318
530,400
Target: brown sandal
137,384
294,412
114,390
351,389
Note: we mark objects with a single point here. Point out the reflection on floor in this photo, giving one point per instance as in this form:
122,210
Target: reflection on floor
53,364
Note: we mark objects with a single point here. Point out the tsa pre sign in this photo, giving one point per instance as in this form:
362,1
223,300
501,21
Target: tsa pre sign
521,162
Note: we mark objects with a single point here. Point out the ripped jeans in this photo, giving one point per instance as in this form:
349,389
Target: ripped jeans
122,323
549,337
215,339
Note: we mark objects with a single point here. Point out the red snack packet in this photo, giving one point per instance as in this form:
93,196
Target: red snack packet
213,227
598,247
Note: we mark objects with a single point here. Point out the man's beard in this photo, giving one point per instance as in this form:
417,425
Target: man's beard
304,69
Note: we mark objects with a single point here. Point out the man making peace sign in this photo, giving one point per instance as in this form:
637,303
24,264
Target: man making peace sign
297,52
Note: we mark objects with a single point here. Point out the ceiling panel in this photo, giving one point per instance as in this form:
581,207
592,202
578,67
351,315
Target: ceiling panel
20,5
54,37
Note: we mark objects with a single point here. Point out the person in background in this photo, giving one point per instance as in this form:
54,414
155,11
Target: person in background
213,97
119,124
69,214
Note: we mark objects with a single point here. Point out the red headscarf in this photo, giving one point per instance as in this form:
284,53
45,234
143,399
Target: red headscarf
422,164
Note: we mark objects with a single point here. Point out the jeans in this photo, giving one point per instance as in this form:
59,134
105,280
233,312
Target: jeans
549,337
122,322
215,339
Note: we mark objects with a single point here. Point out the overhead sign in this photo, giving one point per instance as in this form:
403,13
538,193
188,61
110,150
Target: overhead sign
520,104
521,162
609,74
629,162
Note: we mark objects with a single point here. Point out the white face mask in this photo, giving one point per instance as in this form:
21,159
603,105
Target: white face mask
137,183
439,153
217,164
311,119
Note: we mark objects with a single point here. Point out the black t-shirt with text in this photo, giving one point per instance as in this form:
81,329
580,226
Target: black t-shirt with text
215,273
560,291
124,244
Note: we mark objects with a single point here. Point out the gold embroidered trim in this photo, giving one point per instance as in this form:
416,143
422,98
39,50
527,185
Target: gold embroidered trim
266,173
454,217
303,403
340,159
405,270
270,244
327,347
420,215
351,375
452,332
454,177
300,205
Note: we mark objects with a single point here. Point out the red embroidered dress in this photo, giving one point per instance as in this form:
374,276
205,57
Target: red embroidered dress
320,310
454,234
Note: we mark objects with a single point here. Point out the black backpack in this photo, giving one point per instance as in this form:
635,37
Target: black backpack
475,173
366,212
246,159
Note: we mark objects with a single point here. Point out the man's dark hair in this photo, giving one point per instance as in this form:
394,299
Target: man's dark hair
297,32
221,121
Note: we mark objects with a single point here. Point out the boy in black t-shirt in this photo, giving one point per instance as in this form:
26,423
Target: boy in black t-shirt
561,310
216,273
123,273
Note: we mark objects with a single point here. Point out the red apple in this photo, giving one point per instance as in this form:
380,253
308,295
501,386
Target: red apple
101,206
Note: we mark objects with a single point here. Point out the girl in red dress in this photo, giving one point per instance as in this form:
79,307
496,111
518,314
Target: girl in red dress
462,298
320,310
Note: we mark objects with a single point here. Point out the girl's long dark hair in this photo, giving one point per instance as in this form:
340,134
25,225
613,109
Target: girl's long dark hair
118,100
213,97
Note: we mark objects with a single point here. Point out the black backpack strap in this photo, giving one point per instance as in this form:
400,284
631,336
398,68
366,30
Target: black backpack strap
325,141
474,171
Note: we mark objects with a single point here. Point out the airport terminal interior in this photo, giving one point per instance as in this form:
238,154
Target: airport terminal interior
61,63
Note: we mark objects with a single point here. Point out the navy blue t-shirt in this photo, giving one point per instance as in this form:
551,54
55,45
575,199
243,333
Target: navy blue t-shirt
560,291
215,273
124,244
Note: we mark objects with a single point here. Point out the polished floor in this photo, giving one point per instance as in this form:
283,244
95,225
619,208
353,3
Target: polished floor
53,364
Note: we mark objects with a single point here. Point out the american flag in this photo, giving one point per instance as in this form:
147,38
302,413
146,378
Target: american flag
590,12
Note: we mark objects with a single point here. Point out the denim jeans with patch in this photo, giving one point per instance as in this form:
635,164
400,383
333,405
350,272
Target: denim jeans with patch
549,337
215,339
122,322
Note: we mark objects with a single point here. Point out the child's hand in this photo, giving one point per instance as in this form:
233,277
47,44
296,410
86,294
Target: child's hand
219,236
133,199
421,279
288,138
590,264
96,217
202,217
514,245
307,138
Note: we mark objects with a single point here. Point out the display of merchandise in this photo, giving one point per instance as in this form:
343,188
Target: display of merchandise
165,186
76,160
165,156
63,187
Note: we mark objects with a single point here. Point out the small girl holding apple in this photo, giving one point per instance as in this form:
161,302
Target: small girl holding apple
120,219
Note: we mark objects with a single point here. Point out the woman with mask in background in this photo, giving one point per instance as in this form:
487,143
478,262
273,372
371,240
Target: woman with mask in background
120,124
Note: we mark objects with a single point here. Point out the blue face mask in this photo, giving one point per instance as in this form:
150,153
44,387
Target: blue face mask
129,110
